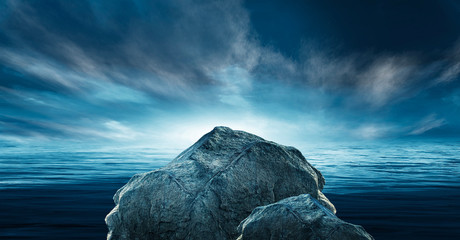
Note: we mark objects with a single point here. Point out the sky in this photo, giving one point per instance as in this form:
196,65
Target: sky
163,73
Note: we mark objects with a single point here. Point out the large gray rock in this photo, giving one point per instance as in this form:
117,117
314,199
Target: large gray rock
207,190
298,218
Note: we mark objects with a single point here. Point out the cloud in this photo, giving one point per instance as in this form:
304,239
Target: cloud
372,80
452,71
385,78
44,69
91,130
426,124
372,131
119,131
235,83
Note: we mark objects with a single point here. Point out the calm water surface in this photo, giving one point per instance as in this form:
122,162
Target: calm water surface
398,190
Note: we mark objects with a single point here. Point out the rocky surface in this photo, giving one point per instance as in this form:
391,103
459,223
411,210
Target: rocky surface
207,190
298,218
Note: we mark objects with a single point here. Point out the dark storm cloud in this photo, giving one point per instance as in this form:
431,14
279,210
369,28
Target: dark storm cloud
111,69
168,46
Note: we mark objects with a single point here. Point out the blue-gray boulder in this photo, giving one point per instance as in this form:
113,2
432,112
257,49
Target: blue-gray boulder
298,218
206,191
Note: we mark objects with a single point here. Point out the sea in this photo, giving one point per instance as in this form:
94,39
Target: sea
394,189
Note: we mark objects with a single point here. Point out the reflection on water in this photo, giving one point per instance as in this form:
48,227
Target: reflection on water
32,166
395,190
387,166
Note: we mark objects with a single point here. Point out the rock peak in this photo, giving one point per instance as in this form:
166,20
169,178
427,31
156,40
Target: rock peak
222,129
218,145
221,132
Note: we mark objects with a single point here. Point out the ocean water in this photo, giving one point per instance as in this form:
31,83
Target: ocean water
395,190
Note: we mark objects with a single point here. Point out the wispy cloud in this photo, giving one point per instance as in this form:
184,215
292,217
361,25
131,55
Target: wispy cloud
452,70
373,131
374,80
426,124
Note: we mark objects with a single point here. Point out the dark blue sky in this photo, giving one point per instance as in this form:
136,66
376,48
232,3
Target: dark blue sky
165,72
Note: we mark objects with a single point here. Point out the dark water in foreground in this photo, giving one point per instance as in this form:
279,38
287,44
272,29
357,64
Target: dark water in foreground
394,190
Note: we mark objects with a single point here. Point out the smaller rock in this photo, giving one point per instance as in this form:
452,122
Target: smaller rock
300,217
